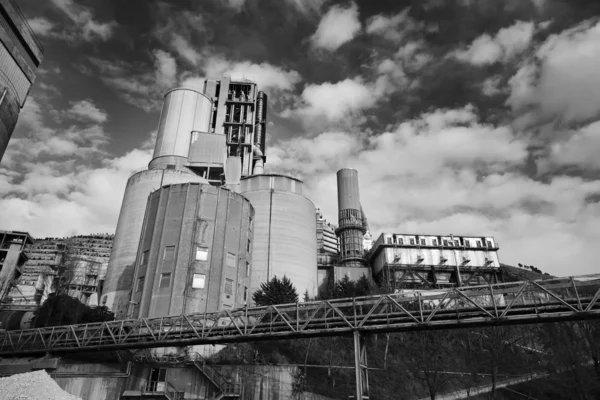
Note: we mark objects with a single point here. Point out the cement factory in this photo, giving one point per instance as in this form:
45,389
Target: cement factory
199,231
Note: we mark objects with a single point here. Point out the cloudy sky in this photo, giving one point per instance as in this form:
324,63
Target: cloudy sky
466,117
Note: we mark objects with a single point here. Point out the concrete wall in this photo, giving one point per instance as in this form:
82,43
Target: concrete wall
285,241
17,67
119,274
181,221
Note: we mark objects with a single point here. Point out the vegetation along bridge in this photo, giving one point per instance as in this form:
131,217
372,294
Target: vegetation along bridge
558,299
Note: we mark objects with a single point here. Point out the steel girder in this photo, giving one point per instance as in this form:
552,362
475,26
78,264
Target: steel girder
503,303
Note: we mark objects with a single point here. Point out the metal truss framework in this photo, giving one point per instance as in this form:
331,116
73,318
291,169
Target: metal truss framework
503,303
561,299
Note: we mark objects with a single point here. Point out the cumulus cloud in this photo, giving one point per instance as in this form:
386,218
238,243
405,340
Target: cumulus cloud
87,110
185,50
264,74
448,172
51,202
84,21
395,27
334,101
562,80
41,26
165,69
338,26
580,150
307,7
503,47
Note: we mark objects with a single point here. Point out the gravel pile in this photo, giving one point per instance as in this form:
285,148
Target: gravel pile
35,385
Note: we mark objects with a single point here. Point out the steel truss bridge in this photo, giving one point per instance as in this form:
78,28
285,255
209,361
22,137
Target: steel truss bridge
550,300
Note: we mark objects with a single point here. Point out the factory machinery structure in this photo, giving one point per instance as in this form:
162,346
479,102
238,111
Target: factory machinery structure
204,226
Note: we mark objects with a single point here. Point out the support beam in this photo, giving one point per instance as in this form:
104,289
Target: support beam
360,367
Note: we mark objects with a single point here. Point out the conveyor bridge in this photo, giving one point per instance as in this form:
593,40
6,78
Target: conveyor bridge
549,300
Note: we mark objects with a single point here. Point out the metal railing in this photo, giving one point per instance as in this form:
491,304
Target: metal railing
560,299
166,389
224,387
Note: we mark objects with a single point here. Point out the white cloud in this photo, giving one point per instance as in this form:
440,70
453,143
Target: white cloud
564,79
84,20
87,110
41,26
392,27
51,203
580,150
236,5
264,74
505,46
335,101
338,26
185,50
447,172
308,7
165,69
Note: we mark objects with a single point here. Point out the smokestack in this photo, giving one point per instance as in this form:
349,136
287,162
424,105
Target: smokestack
351,227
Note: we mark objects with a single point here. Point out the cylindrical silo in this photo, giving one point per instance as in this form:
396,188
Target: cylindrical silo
194,252
285,241
184,110
351,224
119,274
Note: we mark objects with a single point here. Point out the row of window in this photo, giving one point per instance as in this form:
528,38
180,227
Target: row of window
434,242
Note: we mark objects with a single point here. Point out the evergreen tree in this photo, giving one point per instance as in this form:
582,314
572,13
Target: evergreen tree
275,291
345,288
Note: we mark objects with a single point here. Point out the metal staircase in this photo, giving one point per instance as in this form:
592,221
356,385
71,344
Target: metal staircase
225,389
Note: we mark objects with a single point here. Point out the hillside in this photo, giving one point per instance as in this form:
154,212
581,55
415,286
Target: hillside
512,274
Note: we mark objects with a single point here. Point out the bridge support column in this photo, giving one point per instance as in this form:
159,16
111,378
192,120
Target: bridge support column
360,367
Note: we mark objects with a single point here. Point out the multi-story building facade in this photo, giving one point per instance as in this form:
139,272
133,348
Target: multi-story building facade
83,260
12,259
327,249
20,57
433,261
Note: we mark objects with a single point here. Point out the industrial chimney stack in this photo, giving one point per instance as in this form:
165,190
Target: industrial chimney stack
351,223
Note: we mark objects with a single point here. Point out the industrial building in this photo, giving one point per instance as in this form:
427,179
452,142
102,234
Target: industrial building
430,261
284,232
214,136
194,253
20,56
12,259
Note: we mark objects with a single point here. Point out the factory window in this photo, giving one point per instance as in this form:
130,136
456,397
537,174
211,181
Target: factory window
249,248
478,243
389,240
169,254
412,241
400,241
467,244
231,261
104,300
434,242
201,253
247,268
145,256
228,286
456,243
165,280
250,223
140,284
489,244
422,242
445,243
198,282
245,294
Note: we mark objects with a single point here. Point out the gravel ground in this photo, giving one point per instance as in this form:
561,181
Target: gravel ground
35,385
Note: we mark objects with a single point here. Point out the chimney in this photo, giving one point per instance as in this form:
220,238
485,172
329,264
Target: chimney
351,226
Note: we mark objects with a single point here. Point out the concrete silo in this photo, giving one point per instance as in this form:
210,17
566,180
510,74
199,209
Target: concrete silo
119,274
185,110
194,252
285,240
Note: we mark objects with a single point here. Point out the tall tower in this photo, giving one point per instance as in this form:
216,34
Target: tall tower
20,56
214,135
351,220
